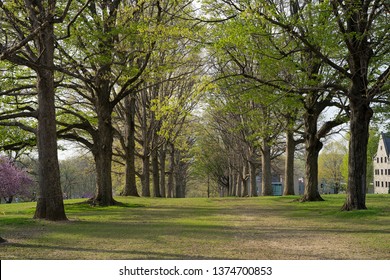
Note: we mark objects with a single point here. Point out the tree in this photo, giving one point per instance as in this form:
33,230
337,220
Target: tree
13,181
28,39
363,26
330,164
18,102
78,177
372,147
108,67
211,160
359,64
282,64
354,71
293,125
105,59
153,117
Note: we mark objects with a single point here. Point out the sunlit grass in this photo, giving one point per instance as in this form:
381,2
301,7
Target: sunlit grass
201,228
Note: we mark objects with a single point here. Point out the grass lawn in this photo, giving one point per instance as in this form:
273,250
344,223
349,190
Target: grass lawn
201,228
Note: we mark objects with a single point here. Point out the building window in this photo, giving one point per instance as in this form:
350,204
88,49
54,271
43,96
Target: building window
377,160
381,159
381,171
385,171
382,184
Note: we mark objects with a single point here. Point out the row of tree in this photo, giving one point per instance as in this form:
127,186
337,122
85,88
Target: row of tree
280,65
116,76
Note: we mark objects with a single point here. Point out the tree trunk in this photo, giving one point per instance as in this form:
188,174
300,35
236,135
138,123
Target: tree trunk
235,179
146,137
266,176
130,184
103,196
171,172
252,175
50,204
180,176
146,174
289,164
239,184
155,173
360,118
244,181
231,180
361,53
313,147
162,170
103,154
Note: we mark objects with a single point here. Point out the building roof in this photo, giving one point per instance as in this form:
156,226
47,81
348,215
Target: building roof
386,141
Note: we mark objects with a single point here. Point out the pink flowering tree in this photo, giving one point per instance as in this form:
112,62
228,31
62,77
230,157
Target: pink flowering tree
13,180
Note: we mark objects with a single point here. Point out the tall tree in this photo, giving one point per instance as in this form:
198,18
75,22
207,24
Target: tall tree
28,39
363,26
111,53
292,128
128,143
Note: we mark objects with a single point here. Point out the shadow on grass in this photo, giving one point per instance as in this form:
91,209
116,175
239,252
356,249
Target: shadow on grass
124,254
83,205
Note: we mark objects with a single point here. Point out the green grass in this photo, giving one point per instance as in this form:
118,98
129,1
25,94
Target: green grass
201,228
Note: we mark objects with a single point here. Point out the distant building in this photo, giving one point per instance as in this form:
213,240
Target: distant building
382,165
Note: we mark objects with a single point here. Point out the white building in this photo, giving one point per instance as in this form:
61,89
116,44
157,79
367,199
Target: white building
382,165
